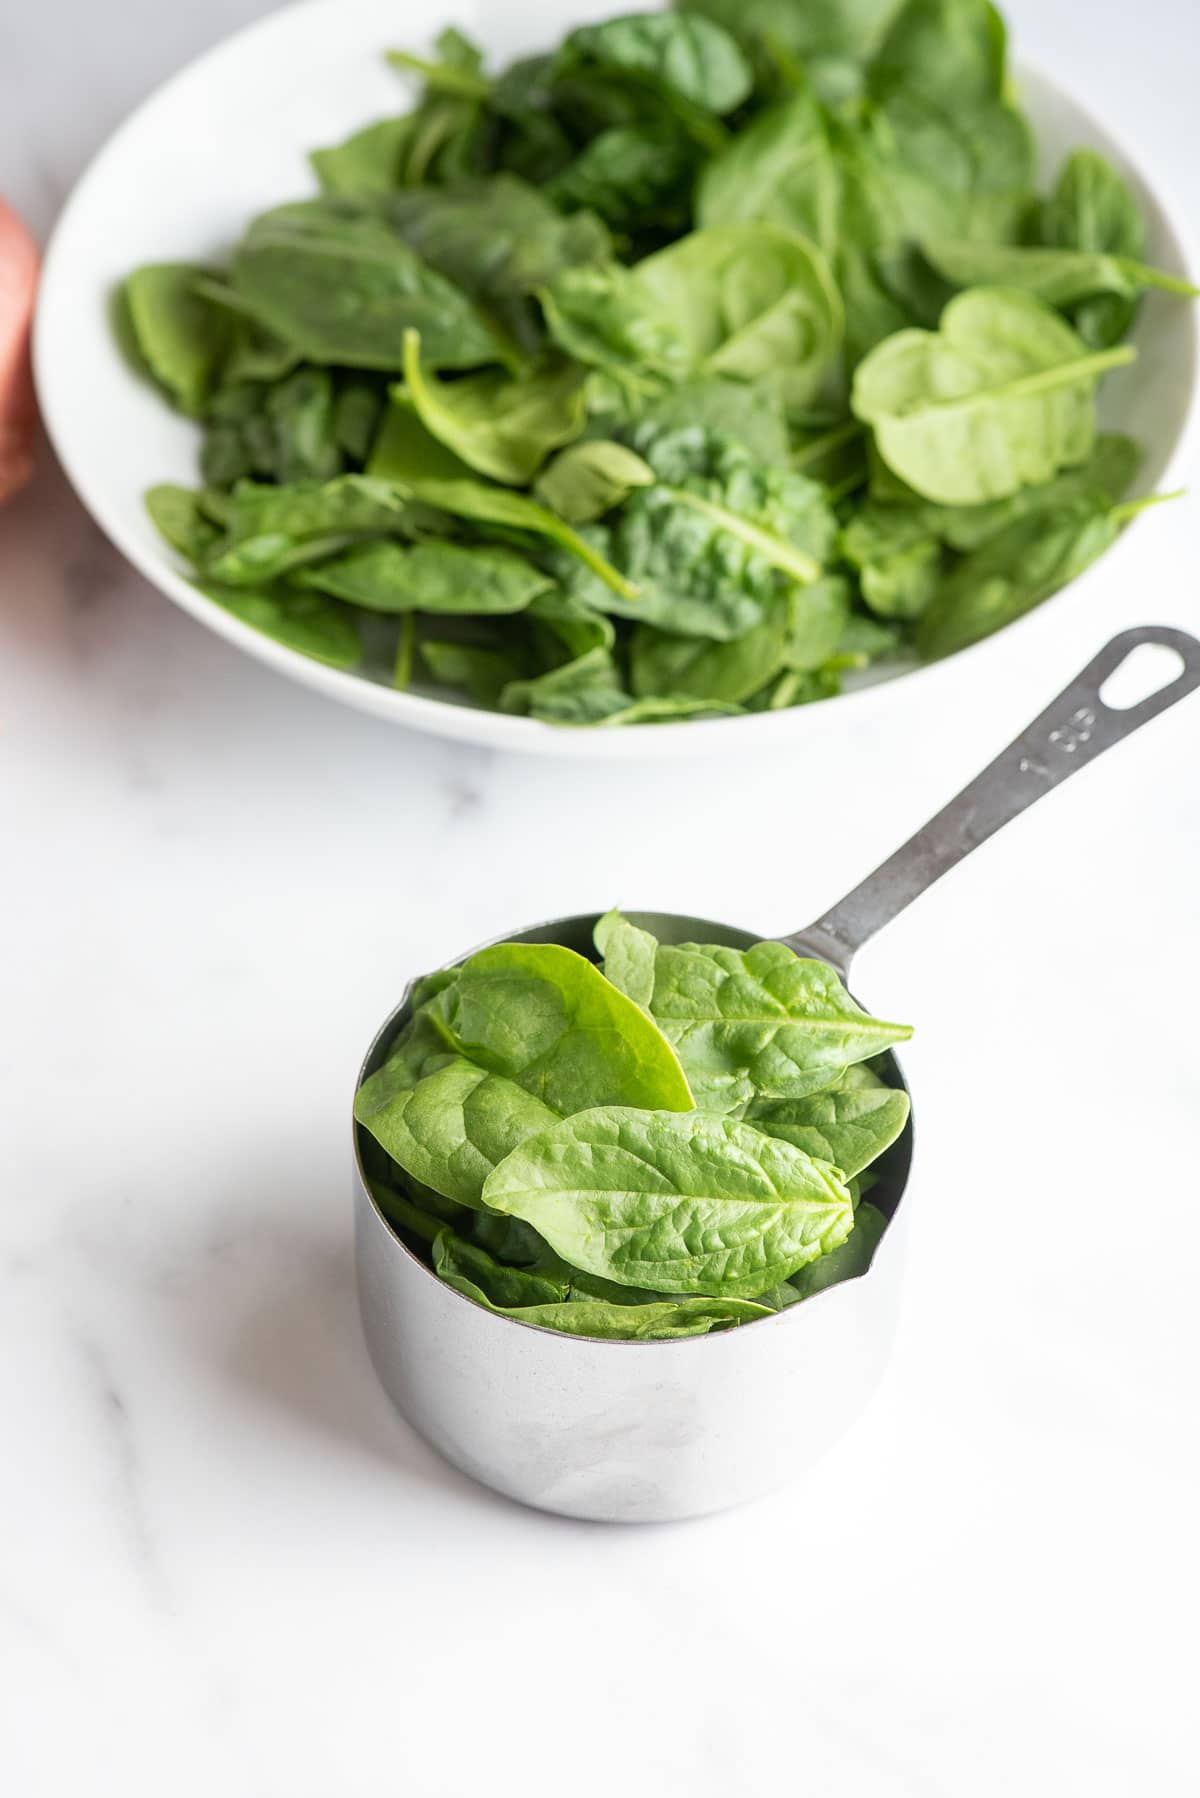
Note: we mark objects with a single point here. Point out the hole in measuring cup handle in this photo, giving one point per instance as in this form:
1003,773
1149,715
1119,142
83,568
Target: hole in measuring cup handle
1146,670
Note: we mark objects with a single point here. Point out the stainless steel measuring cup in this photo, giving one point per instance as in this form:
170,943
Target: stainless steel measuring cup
641,1431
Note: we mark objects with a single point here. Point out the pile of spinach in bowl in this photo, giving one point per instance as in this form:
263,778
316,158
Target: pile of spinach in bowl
673,1142
674,372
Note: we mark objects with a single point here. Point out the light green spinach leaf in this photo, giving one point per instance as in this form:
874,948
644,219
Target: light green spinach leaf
1000,397
502,426
676,1203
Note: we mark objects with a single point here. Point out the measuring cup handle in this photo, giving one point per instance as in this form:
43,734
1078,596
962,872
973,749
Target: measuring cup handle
1076,728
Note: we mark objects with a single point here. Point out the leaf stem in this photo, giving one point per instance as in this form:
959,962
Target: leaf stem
775,550
442,75
819,447
1042,380
399,1209
591,558
1131,507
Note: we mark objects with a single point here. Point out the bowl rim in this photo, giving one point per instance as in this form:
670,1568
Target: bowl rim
364,1194
467,722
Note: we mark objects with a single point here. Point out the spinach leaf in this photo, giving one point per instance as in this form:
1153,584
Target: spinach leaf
333,278
543,1016
780,169
585,690
514,511
898,549
500,241
691,57
516,1037
1105,475
367,163
805,29
307,622
448,137
949,51
501,426
179,517
272,530
628,955
404,658
458,69
429,577
181,335
1092,210
1015,570
714,542
629,173
453,1126
403,1212
867,639
898,555
302,415
1000,397
799,631
1062,278
759,1022
509,1240
749,412
752,300
849,1261
848,1125
588,690
471,1270
351,504
483,672
587,480
357,412
674,1202
570,622
601,316
405,450
530,1301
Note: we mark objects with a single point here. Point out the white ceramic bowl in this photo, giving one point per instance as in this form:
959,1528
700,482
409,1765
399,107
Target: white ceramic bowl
228,137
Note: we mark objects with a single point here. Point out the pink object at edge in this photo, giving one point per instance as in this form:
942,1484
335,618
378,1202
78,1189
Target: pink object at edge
18,412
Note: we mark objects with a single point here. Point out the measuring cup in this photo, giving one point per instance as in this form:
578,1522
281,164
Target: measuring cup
642,1431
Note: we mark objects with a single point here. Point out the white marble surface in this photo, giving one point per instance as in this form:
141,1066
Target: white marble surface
225,1566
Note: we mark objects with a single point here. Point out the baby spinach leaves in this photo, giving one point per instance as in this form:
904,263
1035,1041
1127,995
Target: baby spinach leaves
500,241
1020,566
540,1144
693,363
